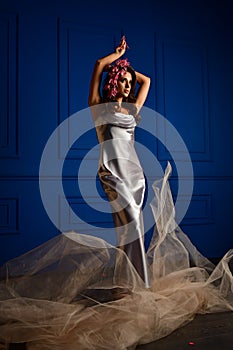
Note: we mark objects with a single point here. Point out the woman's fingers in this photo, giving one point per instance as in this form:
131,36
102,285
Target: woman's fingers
123,42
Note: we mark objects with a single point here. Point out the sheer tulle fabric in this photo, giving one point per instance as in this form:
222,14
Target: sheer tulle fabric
60,296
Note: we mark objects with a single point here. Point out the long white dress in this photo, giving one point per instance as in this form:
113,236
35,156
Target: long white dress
123,181
59,295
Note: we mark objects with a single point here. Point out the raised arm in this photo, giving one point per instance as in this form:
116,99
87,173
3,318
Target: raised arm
100,66
144,85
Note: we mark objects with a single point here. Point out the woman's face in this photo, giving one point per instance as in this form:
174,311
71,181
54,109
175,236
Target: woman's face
124,85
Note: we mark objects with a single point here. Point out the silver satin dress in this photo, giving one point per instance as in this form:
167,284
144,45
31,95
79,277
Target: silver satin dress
123,181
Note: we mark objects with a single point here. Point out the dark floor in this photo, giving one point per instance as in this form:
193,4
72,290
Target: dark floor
205,332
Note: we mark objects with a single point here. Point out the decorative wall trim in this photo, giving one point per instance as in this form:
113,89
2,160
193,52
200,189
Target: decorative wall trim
200,211
9,216
183,96
9,86
77,205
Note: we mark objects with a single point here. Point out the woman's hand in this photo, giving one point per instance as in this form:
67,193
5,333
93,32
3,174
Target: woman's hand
121,48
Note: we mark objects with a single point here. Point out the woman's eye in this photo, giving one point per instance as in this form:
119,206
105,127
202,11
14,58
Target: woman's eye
125,80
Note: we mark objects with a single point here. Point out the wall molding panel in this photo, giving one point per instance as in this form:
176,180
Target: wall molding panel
183,79
8,86
200,210
82,217
9,216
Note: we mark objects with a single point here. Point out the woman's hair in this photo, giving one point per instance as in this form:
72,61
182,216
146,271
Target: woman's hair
109,90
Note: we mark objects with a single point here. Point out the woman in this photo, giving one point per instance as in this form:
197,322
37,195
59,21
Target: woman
120,171
57,295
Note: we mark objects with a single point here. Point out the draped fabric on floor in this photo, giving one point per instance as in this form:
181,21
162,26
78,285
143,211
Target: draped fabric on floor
60,295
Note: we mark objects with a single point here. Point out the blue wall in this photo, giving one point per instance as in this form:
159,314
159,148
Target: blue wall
47,52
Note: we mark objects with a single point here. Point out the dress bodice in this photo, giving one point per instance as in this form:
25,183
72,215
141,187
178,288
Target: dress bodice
118,119
117,126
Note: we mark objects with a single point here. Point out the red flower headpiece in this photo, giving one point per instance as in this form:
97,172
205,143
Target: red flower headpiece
118,70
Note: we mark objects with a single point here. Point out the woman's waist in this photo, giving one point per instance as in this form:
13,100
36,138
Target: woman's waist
115,133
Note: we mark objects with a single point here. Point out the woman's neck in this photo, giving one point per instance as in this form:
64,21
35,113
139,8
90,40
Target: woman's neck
122,109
